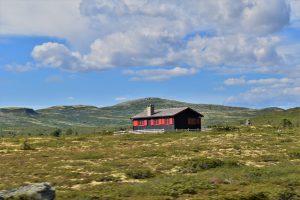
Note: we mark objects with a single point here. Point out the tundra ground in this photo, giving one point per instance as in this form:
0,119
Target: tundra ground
247,163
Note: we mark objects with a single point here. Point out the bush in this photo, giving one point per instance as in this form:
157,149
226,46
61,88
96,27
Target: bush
225,128
140,174
256,196
195,165
287,195
294,154
69,131
286,123
109,179
26,146
56,133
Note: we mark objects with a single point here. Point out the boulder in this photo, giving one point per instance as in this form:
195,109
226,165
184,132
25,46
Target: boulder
37,191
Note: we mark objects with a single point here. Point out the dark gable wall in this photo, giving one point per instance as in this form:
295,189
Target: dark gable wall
181,120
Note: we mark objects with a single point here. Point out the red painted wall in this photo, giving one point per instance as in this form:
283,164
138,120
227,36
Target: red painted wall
161,121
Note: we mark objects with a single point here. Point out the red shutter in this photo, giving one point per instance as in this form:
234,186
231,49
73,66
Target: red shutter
152,122
145,122
171,121
135,123
163,121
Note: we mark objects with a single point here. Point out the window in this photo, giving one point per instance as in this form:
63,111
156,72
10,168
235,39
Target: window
141,122
156,121
193,121
167,121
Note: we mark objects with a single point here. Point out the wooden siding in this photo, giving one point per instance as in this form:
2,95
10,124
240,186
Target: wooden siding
187,119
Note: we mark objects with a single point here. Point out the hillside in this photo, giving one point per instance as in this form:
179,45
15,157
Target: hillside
275,117
118,116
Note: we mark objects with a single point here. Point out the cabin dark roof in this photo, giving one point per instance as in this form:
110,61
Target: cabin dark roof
162,113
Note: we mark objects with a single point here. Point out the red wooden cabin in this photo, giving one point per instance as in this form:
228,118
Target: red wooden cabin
167,119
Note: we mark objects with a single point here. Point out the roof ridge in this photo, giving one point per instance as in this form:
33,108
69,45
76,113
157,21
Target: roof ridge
162,112
173,108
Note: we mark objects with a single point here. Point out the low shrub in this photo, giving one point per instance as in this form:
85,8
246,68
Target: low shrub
270,158
26,146
178,185
195,165
256,196
109,179
287,195
225,128
69,131
140,174
285,123
56,133
294,154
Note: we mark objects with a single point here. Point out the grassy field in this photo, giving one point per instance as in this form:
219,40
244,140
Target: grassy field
246,163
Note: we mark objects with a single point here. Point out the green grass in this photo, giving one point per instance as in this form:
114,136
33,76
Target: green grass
251,163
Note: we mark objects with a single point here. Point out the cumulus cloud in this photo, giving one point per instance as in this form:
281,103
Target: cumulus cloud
21,68
45,18
235,81
278,96
161,39
266,81
234,51
180,17
279,90
133,33
57,56
120,50
120,99
160,74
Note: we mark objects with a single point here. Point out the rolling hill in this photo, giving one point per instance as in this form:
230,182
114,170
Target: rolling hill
118,116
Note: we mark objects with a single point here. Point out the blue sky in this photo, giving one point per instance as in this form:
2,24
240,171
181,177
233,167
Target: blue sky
103,52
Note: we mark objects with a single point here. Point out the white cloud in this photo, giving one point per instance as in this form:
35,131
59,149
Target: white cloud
19,67
181,17
295,10
268,81
120,99
57,56
234,52
160,74
121,50
45,18
278,91
71,98
133,33
235,81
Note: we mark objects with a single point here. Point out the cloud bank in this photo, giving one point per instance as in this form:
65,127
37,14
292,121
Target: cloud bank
160,39
132,33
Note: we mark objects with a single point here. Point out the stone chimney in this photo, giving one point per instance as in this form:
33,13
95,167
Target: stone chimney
150,110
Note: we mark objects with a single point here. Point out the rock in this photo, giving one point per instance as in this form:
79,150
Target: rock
37,191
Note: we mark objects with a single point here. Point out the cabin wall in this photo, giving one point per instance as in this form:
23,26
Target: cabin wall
165,127
182,120
149,124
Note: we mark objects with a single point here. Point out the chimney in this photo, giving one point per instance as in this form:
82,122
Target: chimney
150,110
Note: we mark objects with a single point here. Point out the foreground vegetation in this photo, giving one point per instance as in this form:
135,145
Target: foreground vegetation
246,163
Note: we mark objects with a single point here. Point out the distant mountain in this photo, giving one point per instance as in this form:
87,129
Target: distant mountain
22,111
275,116
119,115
